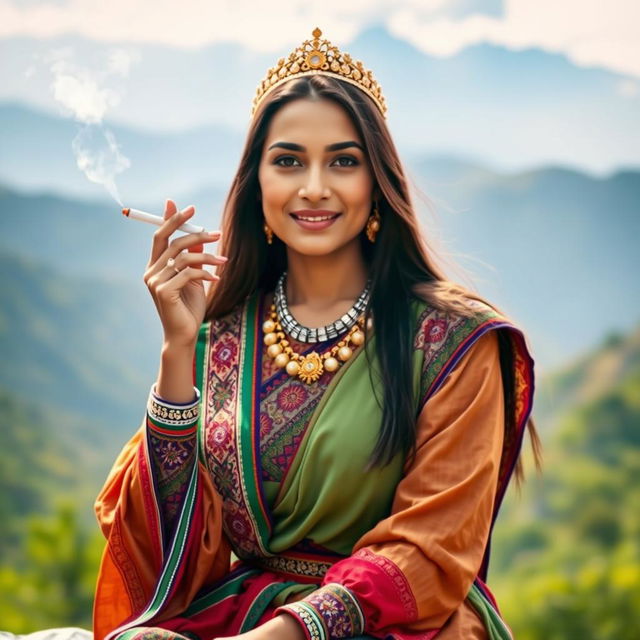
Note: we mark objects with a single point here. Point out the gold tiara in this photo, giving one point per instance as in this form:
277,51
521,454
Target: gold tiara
320,57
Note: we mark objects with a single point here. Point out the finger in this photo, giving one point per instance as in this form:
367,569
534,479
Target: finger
170,208
178,245
171,223
182,278
196,248
183,261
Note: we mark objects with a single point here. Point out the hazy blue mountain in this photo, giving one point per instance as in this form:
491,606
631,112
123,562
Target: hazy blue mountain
71,345
509,108
36,152
555,248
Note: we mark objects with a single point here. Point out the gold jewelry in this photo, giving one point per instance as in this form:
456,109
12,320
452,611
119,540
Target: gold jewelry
373,224
269,233
311,366
320,57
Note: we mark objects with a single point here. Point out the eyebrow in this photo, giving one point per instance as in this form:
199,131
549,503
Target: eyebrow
336,146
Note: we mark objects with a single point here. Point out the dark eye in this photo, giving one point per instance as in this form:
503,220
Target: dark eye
277,161
351,158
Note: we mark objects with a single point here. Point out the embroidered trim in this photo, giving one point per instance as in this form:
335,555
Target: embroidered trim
397,577
312,623
295,566
339,610
173,415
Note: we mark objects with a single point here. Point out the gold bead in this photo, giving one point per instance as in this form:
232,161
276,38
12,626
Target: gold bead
357,337
344,353
281,360
331,364
274,350
292,368
269,326
270,338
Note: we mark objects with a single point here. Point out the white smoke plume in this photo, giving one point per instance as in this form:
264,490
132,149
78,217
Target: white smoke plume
86,94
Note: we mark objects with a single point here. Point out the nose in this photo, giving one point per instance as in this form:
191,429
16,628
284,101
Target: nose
315,186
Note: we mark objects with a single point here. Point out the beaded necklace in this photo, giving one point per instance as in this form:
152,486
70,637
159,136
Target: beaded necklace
311,366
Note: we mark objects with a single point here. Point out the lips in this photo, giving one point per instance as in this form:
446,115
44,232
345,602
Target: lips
315,215
315,220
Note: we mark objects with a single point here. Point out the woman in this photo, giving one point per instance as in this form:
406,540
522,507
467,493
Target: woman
334,424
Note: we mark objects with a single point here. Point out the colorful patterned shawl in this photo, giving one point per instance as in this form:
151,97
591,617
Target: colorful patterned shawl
286,536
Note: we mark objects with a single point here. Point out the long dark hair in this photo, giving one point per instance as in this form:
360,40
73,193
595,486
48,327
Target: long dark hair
399,263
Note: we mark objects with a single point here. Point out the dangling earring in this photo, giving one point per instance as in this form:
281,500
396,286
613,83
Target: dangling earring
268,233
373,224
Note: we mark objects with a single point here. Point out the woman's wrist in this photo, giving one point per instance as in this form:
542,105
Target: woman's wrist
284,627
174,383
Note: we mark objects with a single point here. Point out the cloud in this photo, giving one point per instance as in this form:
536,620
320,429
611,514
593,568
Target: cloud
589,32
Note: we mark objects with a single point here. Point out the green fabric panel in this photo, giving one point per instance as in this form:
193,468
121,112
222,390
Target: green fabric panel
297,587
495,626
327,495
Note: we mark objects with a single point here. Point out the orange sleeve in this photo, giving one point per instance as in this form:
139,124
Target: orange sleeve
414,569
442,510
128,515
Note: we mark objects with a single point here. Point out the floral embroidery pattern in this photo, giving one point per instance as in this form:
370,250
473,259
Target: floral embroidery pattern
286,407
439,334
220,431
172,454
224,353
434,330
291,397
173,457
339,610
330,612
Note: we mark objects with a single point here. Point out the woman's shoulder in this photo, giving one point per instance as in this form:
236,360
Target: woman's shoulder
447,319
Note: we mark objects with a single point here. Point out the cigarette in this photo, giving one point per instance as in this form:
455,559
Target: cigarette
158,220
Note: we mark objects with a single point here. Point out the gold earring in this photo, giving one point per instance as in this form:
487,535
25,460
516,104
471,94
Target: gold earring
373,224
268,233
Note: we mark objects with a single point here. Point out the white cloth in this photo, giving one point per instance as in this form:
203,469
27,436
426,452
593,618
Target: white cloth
66,633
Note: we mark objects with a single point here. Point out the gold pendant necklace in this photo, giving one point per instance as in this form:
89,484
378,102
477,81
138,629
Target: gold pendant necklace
311,366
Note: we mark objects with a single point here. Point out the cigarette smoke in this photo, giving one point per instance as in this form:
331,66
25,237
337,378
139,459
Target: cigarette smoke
86,95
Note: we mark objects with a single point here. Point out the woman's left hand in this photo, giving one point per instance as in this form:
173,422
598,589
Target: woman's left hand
281,627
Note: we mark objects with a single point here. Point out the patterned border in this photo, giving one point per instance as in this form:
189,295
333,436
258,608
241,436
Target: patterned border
398,578
299,567
312,624
331,610
173,415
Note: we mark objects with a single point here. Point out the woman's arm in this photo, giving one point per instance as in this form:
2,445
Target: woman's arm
416,566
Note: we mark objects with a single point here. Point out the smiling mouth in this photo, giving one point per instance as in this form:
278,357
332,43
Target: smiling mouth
315,218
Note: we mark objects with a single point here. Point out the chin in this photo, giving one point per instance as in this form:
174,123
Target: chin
315,246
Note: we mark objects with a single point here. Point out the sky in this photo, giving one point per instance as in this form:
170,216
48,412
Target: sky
591,33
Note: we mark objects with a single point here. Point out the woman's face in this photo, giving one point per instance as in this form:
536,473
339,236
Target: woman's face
313,162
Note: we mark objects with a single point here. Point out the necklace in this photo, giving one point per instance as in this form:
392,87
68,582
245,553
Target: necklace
317,334
312,365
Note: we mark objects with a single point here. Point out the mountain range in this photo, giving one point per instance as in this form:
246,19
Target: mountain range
509,109
554,248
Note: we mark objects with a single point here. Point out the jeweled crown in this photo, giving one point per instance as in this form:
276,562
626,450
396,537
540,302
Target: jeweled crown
320,57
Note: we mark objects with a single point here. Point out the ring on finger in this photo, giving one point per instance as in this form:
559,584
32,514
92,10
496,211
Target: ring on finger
172,263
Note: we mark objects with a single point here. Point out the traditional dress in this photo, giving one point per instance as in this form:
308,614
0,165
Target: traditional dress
254,500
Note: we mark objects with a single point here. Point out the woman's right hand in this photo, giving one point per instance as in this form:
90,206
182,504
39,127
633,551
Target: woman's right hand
179,296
